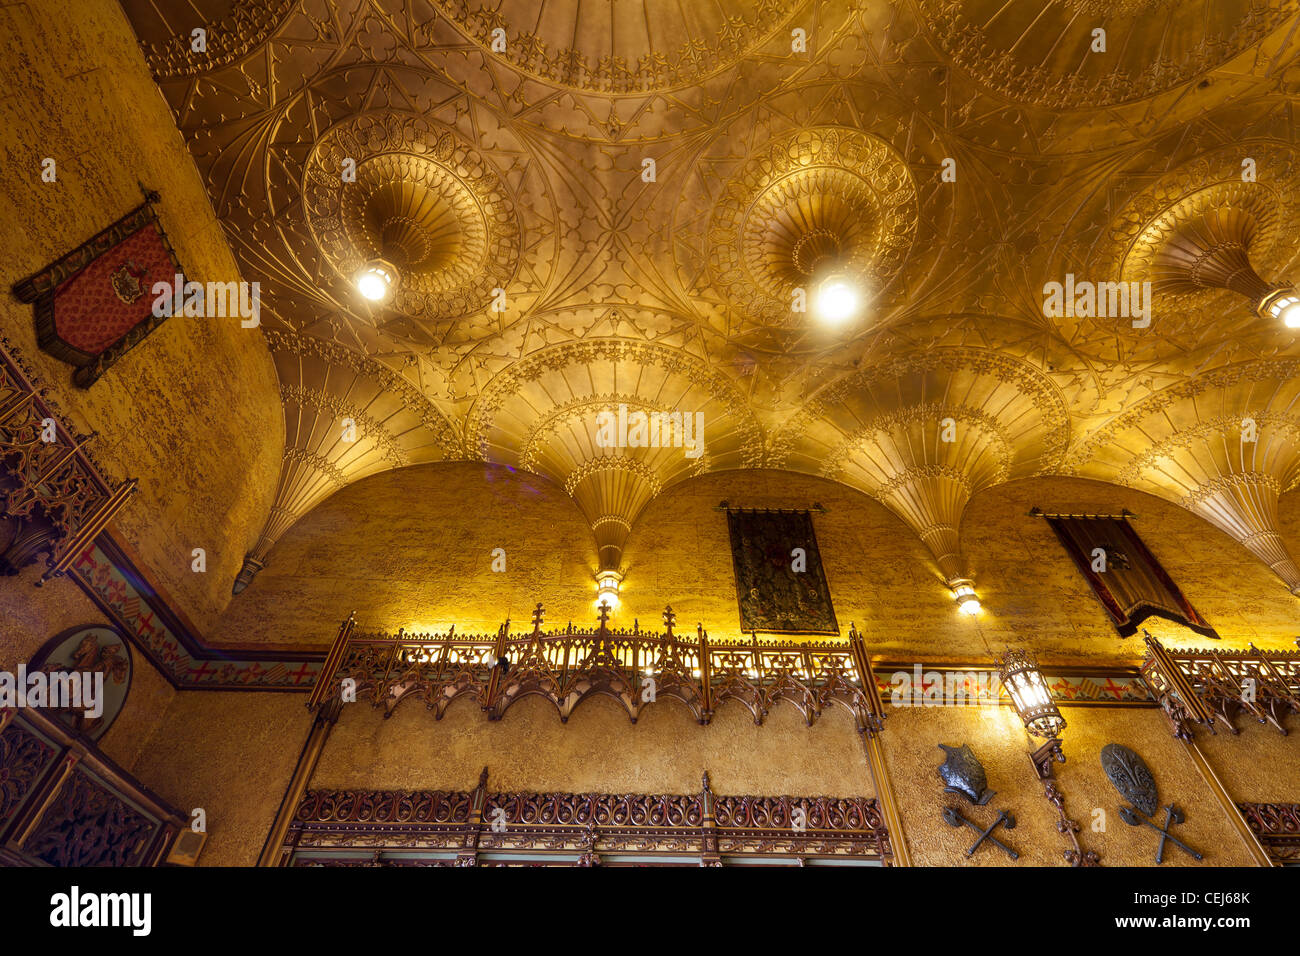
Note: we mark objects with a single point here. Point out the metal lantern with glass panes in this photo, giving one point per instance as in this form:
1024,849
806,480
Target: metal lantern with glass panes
1030,694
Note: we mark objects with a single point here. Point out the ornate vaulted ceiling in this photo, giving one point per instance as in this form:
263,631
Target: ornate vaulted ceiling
524,169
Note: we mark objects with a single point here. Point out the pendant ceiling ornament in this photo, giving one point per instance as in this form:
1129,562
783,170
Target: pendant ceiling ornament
925,432
1202,234
422,199
570,413
1224,446
815,199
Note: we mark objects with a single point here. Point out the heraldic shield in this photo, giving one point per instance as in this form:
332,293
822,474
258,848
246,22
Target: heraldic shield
1131,777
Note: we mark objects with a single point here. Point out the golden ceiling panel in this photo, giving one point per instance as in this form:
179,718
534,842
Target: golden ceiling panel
556,412
621,46
346,417
1157,219
1225,445
923,432
1046,53
953,155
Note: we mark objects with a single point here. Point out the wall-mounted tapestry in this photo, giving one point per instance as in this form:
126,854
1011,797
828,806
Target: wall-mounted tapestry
1125,576
89,651
780,584
95,304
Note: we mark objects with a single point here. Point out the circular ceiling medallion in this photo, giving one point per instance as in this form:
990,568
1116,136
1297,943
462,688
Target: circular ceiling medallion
620,46
422,199
1045,52
814,198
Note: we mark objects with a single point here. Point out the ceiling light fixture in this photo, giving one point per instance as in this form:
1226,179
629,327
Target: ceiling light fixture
837,299
1282,304
376,280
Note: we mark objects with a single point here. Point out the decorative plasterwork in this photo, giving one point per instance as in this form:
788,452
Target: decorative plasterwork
1041,53
1175,229
565,413
1225,446
234,28
621,48
924,432
346,416
891,139
811,198
422,198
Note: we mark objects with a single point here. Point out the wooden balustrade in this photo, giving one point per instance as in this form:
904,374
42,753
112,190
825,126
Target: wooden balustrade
569,665
1210,688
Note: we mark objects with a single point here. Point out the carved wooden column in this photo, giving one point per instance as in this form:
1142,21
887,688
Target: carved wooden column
274,852
874,724
1259,856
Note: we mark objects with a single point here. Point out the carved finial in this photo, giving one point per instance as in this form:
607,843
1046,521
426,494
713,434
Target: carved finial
604,616
669,619
708,787
482,778
539,614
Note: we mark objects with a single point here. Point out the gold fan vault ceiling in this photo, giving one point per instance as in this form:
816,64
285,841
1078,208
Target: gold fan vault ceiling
500,150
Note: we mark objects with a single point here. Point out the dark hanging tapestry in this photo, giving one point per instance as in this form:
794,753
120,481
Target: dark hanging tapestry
95,304
1126,577
780,584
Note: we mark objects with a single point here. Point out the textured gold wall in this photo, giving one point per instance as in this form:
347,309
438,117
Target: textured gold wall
413,547
192,412
599,749
232,754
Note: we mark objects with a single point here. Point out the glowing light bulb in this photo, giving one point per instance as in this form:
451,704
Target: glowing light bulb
375,281
968,601
1291,316
837,300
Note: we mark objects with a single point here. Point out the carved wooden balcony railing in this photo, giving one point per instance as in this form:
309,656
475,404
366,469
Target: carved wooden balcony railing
1278,827
571,665
63,803
482,828
1209,688
50,489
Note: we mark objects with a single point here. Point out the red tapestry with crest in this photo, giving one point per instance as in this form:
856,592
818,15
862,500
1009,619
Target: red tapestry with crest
1126,577
95,304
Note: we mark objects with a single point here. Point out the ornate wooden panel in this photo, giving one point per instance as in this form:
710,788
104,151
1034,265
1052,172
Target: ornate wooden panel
1212,688
637,668
483,828
64,803
1278,827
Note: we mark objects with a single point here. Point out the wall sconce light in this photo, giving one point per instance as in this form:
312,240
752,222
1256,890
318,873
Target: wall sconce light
1032,698
963,590
607,584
